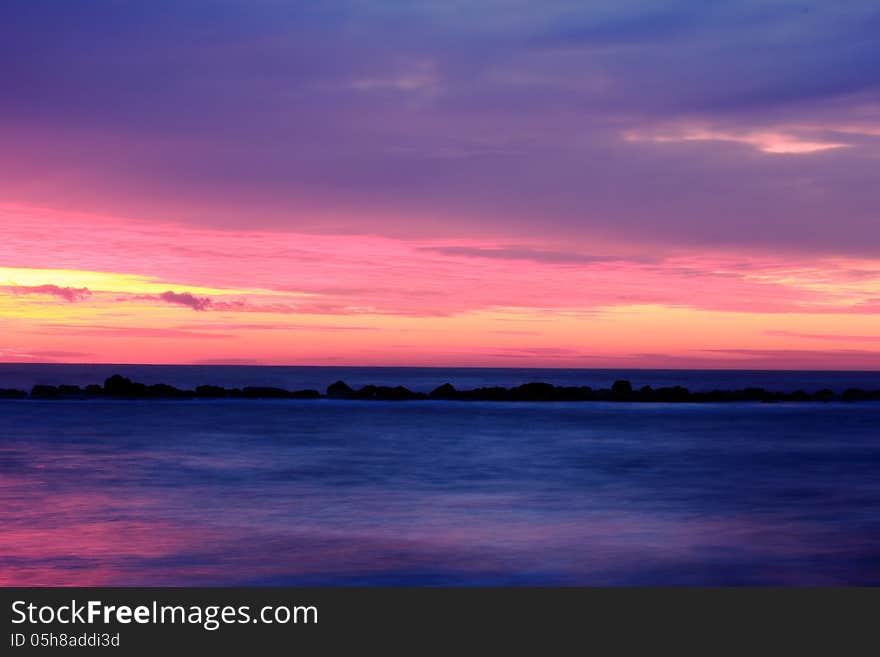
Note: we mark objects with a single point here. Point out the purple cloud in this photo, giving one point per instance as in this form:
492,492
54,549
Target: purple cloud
69,294
431,122
521,253
185,299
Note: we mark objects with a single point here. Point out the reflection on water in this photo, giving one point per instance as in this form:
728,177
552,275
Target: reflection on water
333,492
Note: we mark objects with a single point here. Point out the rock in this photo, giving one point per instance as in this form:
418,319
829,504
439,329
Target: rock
305,394
340,389
534,392
572,393
621,390
252,392
400,393
824,395
675,394
367,392
496,393
118,385
756,394
446,391
12,393
854,394
44,392
165,390
211,391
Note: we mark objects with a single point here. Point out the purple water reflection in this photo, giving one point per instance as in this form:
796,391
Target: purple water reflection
333,493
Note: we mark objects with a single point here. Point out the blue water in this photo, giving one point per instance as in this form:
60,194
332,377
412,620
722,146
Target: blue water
327,492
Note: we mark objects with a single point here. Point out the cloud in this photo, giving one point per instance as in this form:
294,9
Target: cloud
520,253
185,299
275,327
35,355
540,352
51,353
190,300
69,294
306,117
245,306
416,77
868,306
765,141
109,331
824,336
843,357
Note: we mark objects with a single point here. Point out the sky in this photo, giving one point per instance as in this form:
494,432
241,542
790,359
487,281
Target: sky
495,183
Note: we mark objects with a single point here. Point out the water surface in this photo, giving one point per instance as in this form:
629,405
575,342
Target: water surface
327,492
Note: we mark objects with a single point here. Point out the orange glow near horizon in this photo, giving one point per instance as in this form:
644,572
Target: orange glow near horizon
109,290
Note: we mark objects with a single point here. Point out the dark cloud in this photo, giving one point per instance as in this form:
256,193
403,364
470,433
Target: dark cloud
185,299
69,294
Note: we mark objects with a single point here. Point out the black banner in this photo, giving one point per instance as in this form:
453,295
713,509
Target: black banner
284,620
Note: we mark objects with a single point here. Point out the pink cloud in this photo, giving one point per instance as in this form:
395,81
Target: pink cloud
444,302
358,274
108,331
822,336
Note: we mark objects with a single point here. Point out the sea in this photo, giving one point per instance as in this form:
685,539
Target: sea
437,493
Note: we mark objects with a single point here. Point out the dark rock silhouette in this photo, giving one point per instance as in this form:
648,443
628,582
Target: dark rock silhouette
855,394
496,393
340,389
167,391
264,393
446,391
573,393
305,394
534,392
367,392
118,386
756,394
672,395
621,390
211,391
824,395
45,392
12,393
800,396
386,393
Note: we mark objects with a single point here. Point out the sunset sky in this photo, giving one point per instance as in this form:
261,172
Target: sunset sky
500,183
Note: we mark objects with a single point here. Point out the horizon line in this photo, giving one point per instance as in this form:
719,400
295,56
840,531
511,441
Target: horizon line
447,367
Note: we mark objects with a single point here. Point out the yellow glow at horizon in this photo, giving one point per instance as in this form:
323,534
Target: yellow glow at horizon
97,281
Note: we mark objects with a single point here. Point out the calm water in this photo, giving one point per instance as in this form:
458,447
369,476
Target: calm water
441,493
